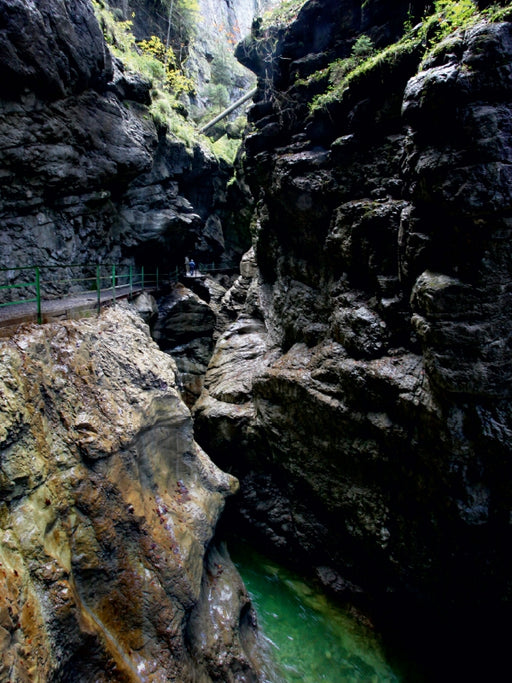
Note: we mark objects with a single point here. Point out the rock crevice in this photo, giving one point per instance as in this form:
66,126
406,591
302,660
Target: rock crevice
108,512
374,405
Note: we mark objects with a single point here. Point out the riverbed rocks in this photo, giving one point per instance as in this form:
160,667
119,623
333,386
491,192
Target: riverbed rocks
375,406
107,512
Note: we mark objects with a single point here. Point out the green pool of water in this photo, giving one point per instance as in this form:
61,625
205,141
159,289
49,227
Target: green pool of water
306,637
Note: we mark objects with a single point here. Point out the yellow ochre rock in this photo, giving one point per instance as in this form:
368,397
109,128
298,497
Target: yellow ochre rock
107,509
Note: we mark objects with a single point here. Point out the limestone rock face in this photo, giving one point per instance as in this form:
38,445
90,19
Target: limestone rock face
86,176
185,328
460,294
228,18
52,48
368,373
107,512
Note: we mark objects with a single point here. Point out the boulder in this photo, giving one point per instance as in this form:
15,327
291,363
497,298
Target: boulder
108,510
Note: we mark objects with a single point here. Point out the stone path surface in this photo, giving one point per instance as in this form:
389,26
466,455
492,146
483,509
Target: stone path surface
76,305
71,306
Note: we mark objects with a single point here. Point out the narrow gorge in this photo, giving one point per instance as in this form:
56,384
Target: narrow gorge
334,388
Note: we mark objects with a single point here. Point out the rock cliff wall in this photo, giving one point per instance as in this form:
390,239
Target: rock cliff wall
363,392
216,26
222,25
107,512
86,176
360,390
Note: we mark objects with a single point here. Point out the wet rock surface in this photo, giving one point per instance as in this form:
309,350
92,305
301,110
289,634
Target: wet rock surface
51,48
367,377
360,383
86,175
108,509
185,328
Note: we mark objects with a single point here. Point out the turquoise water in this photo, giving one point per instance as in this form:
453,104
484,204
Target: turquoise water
306,637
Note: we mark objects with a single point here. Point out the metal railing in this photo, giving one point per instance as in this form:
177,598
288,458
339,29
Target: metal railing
57,282
107,282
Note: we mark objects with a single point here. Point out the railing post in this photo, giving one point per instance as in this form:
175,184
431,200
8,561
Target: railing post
142,277
157,278
98,287
131,281
38,297
114,284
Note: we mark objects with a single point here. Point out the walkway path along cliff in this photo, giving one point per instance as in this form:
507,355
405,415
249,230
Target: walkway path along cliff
42,293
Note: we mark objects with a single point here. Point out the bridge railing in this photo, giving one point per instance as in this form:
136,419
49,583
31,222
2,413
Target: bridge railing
38,284
45,283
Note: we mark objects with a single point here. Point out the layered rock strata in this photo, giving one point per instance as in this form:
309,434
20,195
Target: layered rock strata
107,512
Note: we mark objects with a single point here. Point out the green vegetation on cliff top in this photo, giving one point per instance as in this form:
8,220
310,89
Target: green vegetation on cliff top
155,64
448,18
159,65
283,14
